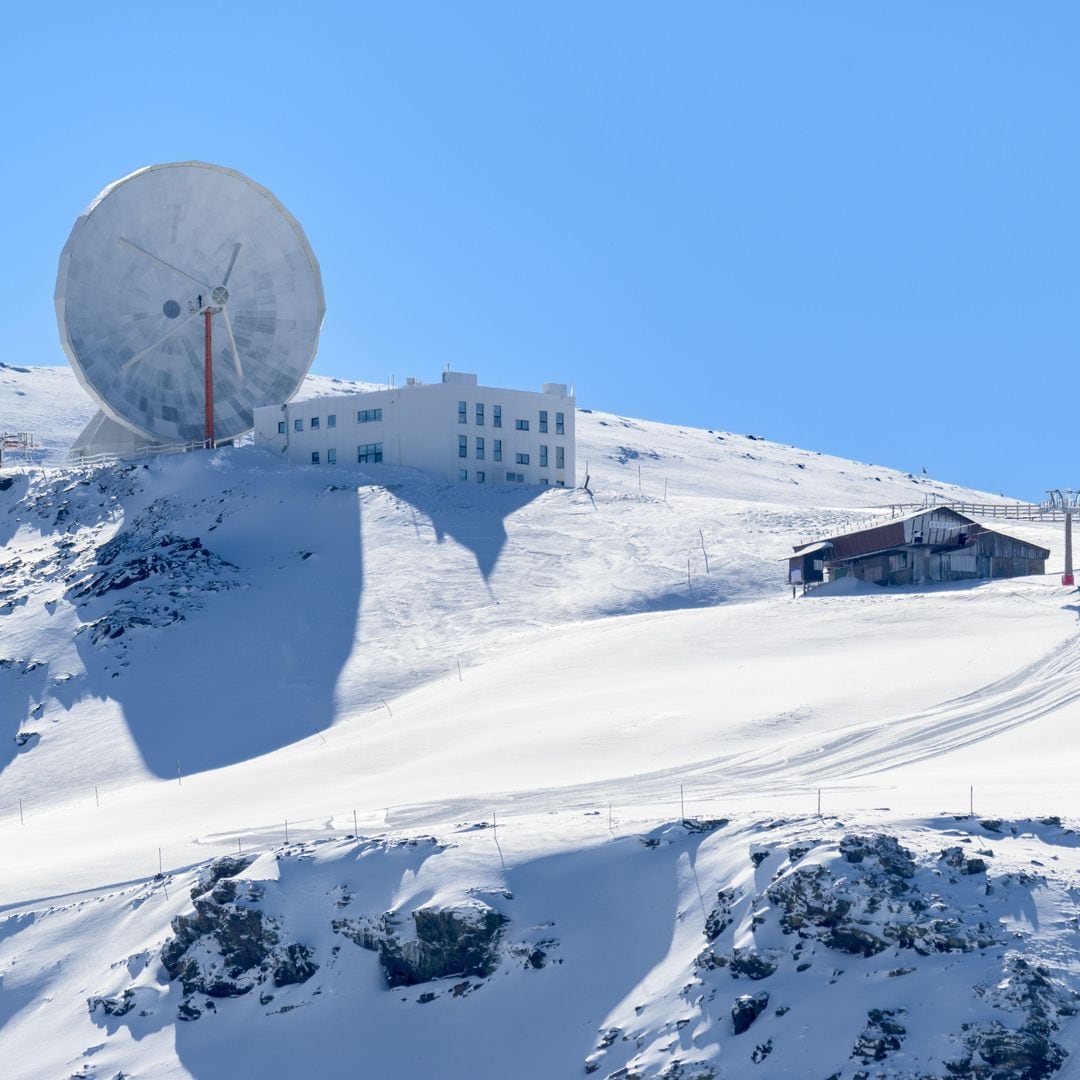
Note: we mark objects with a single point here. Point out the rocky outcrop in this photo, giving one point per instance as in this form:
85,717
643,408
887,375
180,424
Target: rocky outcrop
458,941
227,866
993,1052
159,575
882,1035
294,965
225,947
116,1005
875,906
720,917
956,858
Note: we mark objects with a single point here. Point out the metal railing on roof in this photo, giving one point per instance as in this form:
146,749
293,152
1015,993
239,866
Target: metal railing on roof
1006,511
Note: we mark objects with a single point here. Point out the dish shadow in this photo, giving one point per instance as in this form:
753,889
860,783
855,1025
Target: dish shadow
252,666
22,688
474,516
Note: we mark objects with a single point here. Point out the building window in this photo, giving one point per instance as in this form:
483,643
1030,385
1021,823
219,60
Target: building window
521,425
462,412
522,459
543,421
314,457
479,447
463,446
516,477
560,424
543,481
543,457
314,423
331,457
480,477
298,425
365,416
369,453
463,474
496,416
479,414
281,427
560,457
560,483
331,420
497,451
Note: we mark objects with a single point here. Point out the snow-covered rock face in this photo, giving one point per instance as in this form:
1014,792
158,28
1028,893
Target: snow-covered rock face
844,952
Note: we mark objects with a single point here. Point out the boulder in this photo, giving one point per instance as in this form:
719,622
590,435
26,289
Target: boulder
745,1009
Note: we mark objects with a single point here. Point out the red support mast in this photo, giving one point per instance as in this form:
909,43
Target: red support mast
208,385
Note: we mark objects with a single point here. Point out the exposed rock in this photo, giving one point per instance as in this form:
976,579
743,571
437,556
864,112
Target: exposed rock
704,825
226,866
224,948
119,1005
187,1011
761,1052
295,966
687,1070
882,1035
750,965
799,851
885,856
993,1052
808,897
956,858
876,906
720,918
160,575
853,940
745,1009
461,941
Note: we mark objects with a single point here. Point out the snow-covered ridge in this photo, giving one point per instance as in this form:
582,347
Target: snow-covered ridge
695,950
48,402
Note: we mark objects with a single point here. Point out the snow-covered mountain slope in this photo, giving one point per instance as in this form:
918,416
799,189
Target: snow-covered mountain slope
196,650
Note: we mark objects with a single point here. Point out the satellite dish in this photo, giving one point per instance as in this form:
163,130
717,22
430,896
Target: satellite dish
184,277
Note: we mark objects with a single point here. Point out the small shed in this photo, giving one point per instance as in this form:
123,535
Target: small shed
933,544
807,567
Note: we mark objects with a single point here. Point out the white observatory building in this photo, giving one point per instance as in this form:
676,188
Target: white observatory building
455,429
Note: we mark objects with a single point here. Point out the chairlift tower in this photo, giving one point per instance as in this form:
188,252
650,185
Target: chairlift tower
1066,499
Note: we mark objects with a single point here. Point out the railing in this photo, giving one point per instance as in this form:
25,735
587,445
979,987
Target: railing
1007,511
77,457
890,511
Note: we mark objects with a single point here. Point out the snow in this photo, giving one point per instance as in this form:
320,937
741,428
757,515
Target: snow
299,645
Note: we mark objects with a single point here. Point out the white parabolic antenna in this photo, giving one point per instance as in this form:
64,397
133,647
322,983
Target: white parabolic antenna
181,276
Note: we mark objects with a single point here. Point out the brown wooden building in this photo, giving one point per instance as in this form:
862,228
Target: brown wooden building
934,544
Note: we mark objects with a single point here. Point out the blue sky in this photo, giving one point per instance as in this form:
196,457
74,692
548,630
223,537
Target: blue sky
847,226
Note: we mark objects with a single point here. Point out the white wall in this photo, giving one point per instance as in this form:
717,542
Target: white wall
420,429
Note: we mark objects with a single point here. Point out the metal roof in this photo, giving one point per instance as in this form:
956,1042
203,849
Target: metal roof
821,545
